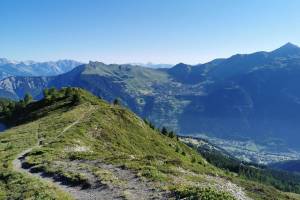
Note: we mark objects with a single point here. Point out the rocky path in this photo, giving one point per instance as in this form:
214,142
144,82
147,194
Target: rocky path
134,188
76,192
129,185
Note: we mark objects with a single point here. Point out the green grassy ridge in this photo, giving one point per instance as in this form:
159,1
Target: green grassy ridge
201,193
128,136
111,134
15,185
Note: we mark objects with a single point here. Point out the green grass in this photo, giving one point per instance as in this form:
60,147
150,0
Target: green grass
15,185
110,134
202,193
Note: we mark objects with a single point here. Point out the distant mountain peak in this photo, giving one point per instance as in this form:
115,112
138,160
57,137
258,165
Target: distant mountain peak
33,68
180,71
288,49
289,45
182,65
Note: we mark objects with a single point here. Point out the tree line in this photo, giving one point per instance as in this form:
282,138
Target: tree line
11,111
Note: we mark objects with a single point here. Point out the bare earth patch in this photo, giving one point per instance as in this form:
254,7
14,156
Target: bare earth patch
123,184
215,182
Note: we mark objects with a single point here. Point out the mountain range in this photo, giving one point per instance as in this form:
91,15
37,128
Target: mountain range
32,68
153,65
247,96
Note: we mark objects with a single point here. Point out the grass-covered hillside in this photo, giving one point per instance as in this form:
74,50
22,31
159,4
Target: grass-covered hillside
282,180
102,150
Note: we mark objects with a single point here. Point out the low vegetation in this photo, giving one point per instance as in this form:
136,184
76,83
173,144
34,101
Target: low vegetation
202,193
282,180
77,133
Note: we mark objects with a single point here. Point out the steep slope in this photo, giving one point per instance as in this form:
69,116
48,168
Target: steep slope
137,87
95,145
16,87
245,97
73,138
220,158
31,68
290,166
254,96
222,69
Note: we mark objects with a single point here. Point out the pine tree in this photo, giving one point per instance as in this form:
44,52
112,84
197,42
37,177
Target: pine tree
76,98
52,90
164,131
171,134
68,92
116,101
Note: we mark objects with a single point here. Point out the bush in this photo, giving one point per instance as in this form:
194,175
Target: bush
27,99
193,160
202,193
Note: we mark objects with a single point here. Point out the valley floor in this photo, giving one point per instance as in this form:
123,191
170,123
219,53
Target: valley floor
250,151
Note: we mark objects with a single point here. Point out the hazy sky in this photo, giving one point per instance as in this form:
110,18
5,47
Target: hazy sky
160,31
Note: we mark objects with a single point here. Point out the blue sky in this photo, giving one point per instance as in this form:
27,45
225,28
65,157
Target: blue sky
160,31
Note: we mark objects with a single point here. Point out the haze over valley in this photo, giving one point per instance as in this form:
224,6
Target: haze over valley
149,100
231,99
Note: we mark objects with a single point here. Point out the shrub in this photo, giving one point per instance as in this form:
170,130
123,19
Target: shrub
27,99
193,160
202,193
